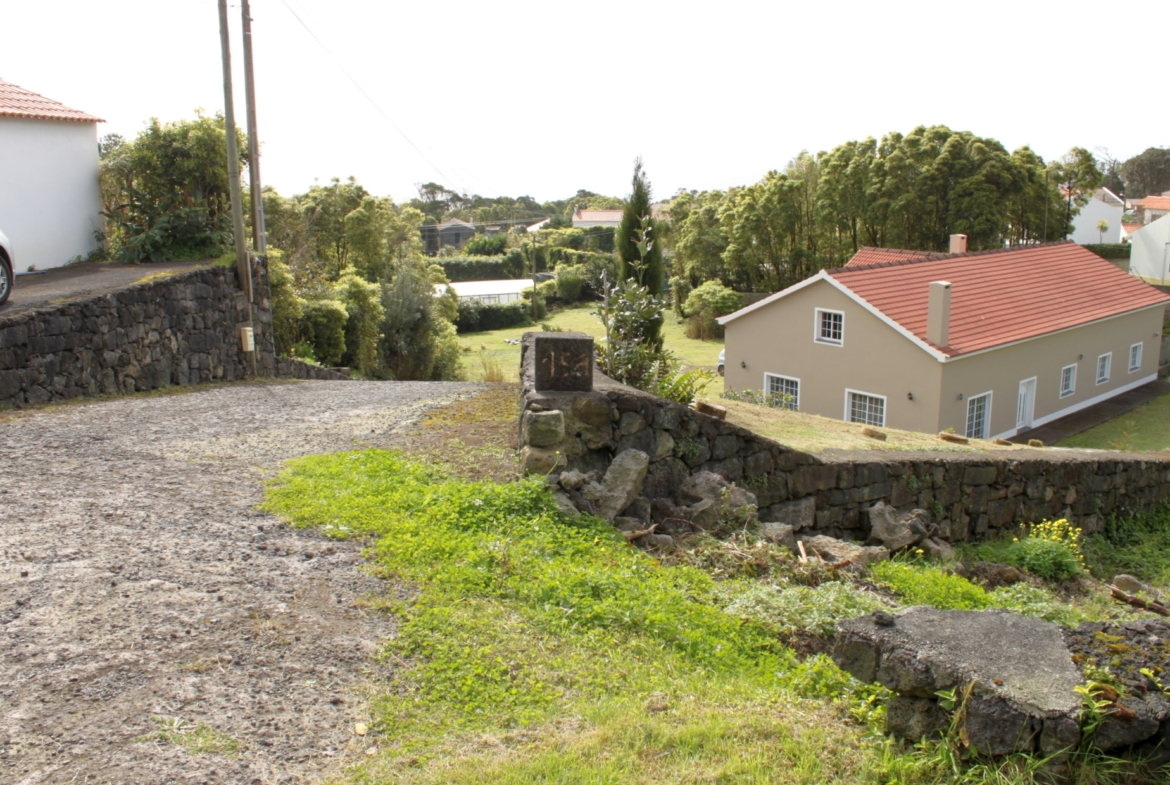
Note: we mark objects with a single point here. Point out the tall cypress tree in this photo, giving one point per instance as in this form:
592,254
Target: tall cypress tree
637,208
635,219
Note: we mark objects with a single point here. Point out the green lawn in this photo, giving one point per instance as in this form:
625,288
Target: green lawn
1145,429
480,350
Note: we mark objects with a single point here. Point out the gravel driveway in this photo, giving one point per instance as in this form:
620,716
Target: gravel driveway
138,585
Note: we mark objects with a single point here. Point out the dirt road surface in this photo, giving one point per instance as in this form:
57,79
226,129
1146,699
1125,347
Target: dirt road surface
142,592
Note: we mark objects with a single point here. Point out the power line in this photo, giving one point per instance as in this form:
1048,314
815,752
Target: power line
373,103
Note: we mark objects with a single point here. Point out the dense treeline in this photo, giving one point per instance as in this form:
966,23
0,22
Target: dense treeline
906,191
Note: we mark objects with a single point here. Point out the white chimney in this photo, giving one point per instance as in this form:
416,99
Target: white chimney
938,311
958,243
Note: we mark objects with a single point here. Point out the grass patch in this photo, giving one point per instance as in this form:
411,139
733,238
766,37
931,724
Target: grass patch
196,738
474,438
812,433
494,351
536,649
1138,545
1145,429
919,584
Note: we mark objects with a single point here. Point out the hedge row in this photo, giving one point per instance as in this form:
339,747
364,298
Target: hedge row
1110,250
480,268
474,316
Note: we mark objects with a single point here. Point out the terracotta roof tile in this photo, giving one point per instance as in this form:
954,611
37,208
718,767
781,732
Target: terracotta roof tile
18,102
1154,203
877,255
1002,296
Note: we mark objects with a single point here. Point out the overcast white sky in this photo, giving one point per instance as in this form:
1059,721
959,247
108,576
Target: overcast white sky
544,98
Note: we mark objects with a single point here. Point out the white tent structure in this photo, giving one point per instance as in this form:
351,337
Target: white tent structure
488,292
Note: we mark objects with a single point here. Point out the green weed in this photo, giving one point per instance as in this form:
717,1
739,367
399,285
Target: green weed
196,738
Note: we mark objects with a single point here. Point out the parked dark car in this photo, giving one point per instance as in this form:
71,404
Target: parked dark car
7,269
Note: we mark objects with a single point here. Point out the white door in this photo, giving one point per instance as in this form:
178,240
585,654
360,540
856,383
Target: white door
1027,404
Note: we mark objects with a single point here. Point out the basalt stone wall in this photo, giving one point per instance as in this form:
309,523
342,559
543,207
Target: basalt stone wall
969,495
182,329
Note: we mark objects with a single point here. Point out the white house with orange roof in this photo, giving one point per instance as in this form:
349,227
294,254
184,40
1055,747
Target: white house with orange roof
1153,207
585,217
989,343
50,195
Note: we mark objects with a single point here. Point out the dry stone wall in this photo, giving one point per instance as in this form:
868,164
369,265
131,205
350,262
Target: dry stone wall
182,329
969,495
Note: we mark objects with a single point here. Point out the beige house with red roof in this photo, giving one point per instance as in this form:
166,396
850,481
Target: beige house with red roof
989,343
50,197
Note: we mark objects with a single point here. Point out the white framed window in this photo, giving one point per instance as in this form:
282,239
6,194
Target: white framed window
865,408
1135,357
829,327
978,416
1103,366
1068,380
774,384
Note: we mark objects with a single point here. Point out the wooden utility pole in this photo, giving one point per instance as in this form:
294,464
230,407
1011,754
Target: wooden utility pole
229,116
243,265
259,230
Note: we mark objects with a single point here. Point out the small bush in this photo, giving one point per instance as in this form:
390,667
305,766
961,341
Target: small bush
1051,549
931,586
705,304
323,323
486,245
569,284
287,307
815,609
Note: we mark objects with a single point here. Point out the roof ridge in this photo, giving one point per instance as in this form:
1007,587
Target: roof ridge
938,256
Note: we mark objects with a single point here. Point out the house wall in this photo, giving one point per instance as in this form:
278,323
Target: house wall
50,200
1000,371
874,358
586,224
1085,223
457,236
1149,254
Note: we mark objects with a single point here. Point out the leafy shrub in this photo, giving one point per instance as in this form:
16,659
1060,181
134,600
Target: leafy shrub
363,305
706,303
417,342
803,608
930,586
480,268
287,307
486,245
668,382
166,193
569,283
475,316
1051,549
323,324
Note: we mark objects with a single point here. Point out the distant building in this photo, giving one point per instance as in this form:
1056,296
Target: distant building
1103,205
584,217
1149,251
50,196
455,233
536,227
488,292
1153,207
989,343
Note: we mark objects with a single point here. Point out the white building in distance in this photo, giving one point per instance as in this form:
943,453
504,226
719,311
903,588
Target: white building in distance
488,292
50,195
1105,206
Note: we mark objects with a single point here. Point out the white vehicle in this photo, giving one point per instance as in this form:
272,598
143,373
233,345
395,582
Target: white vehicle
722,361
7,268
